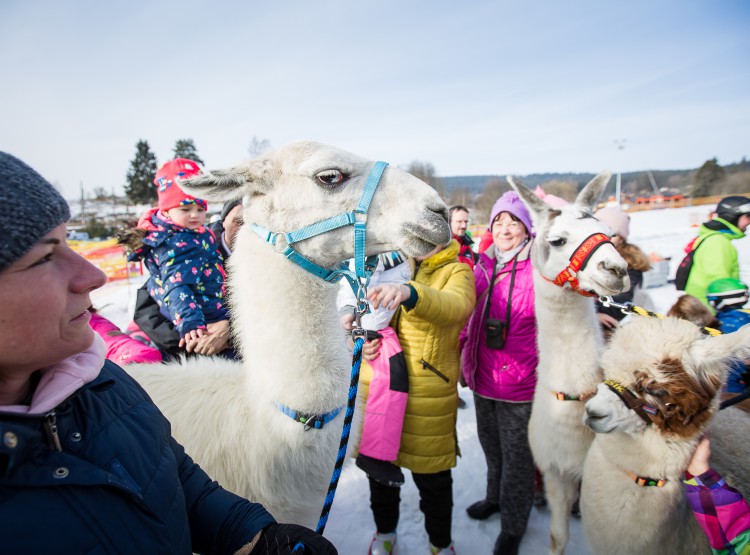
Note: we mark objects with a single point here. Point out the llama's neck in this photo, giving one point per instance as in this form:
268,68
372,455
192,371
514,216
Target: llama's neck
570,340
286,317
647,454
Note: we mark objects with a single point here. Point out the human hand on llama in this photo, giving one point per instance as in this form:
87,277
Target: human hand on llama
699,463
288,539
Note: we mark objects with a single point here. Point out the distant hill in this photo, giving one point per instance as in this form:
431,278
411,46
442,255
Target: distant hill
737,180
634,180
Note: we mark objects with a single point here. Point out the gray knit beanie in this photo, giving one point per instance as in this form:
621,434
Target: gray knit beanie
29,209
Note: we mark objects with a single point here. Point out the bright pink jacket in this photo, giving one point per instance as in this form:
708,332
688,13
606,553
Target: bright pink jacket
508,374
121,348
384,411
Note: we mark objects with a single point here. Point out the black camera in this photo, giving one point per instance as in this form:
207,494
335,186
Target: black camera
495,332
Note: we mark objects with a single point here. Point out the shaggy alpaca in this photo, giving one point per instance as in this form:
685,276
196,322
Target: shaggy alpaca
670,373
226,413
569,340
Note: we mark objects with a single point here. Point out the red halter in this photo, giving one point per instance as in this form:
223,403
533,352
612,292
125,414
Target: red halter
578,261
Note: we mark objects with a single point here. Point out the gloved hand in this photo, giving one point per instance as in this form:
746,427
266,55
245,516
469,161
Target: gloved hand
288,539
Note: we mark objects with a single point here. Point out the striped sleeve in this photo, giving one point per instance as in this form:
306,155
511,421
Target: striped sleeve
721,511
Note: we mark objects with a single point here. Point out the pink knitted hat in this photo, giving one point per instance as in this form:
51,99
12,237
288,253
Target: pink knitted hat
167,183
615,218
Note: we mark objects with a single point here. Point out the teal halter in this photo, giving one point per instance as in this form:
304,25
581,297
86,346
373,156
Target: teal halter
358,280
363,265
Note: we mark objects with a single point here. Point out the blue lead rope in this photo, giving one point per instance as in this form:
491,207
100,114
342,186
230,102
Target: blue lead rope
348,416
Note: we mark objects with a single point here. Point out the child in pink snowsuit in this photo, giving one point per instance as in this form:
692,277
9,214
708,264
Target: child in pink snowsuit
121,348
388,392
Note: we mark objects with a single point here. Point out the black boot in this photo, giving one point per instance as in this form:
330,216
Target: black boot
506,544
482,510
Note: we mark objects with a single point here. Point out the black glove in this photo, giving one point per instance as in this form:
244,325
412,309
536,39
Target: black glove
288,539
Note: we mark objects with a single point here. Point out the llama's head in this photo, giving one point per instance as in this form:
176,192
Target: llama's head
561,231
306,182
664,375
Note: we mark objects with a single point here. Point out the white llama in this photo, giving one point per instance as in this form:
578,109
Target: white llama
671,373
227,414
569,338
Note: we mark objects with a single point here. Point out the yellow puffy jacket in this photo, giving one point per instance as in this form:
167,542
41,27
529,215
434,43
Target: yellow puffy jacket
429,338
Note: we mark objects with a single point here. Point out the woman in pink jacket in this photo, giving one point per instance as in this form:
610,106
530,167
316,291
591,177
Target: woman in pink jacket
498,361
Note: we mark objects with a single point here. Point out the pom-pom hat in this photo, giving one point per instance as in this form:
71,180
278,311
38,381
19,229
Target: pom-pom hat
510,203
167,184
29,209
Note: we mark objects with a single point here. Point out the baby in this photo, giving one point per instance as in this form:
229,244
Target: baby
182,255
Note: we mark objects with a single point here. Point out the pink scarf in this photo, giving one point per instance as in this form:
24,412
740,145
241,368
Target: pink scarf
60,381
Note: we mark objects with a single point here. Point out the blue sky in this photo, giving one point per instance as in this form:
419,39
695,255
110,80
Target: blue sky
471,87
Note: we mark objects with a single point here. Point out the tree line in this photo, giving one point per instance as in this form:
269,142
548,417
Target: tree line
710,179
139,180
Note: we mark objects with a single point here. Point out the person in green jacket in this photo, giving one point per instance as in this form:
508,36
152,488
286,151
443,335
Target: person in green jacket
716,257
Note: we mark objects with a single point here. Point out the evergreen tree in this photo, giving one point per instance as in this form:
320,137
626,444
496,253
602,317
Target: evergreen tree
140,188
185,148
708,176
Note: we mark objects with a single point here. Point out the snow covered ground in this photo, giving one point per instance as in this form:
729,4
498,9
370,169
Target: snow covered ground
350,525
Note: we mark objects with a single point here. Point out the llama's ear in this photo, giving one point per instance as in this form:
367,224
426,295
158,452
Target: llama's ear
711,356
232,183
593,189
536,205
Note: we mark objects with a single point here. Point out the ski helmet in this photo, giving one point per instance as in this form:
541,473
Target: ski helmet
731,208
727,293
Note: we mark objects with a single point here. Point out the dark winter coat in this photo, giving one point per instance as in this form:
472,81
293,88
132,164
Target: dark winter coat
465,253
119,484
187,273
638,263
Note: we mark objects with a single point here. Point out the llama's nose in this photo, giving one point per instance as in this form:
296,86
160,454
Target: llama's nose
618,270
442,211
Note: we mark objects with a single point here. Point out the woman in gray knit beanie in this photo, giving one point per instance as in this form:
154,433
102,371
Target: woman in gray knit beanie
29,208
87,462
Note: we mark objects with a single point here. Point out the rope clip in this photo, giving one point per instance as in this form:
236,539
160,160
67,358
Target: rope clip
607,301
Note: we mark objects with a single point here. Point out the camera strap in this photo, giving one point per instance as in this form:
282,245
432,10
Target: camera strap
510,292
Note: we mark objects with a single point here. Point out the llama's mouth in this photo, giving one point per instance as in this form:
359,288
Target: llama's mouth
598,423
613,287
416,246
421,239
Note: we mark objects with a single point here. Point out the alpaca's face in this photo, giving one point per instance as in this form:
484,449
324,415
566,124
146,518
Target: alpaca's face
670,369
560,232
605,413
560,236
303,183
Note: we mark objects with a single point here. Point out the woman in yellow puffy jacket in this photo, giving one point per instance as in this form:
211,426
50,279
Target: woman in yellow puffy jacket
433,309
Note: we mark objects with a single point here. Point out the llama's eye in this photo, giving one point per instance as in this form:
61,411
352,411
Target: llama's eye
330,177
556,241
655,392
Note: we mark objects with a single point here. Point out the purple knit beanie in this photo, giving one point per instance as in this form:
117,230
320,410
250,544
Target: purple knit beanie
510,203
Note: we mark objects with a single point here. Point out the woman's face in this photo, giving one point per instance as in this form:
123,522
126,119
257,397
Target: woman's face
44,301
507,233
